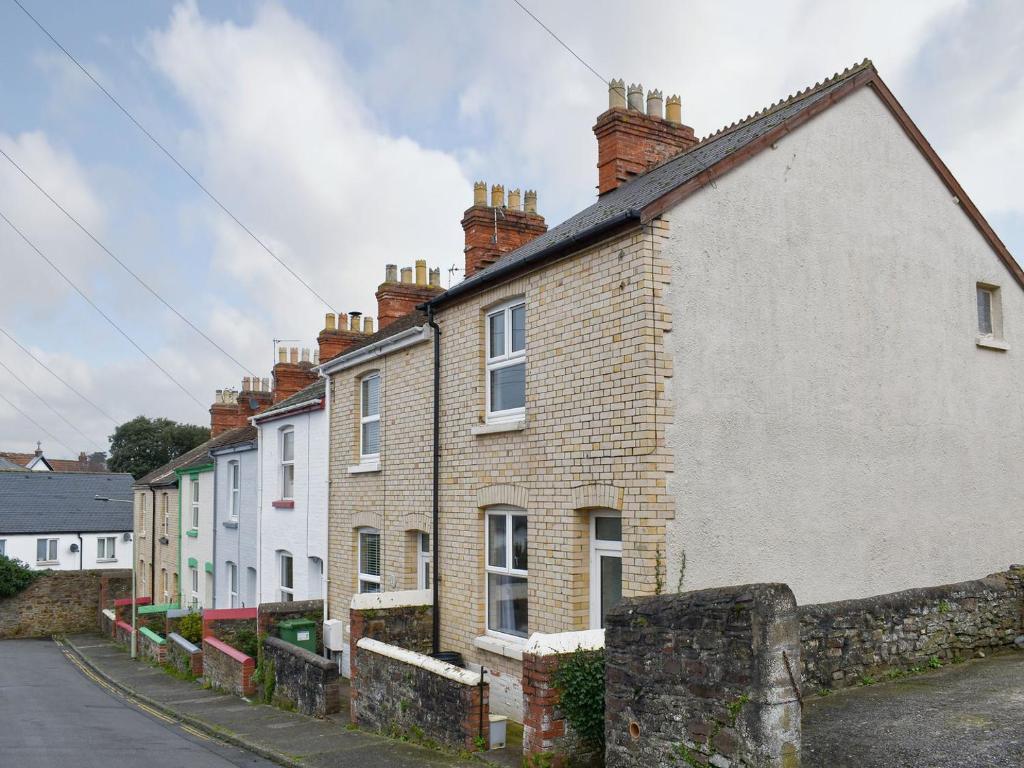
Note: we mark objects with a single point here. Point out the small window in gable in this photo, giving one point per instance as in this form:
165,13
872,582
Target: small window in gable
990,316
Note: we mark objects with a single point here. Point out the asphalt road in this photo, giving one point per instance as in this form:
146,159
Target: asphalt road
51,714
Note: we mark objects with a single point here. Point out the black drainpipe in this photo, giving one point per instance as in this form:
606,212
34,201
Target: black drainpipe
436,630
81,550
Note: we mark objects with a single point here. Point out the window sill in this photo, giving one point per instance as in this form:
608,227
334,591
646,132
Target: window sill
283,504
510,649
47,562
369,466
230,523
192,533
106,559
990,342
518,425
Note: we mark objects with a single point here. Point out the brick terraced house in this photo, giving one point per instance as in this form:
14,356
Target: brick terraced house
786,352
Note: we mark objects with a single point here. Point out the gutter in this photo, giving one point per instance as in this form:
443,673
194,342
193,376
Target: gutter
386,346
290,410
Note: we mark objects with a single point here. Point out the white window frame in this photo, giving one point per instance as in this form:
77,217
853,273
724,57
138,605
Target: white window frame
369,578
194,491
234,489
287,464
600,548
508,513
163,585
106,549
424,561
993,336
364,457
51,550
232,573
287,592
195,586
3,547
508,358
165,506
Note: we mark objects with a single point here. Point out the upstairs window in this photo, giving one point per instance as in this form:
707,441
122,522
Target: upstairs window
288,463
506,362
235,478
985,310
369,560
369,419
990,317
166,512
195,502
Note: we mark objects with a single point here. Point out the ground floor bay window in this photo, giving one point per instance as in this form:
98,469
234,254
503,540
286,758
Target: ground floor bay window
605,565
506,570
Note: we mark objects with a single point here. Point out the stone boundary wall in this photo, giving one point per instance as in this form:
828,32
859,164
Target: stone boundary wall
151,646
544,726
272,614
227,668
398,691
846,641
123,607
107,620
401,618
183,656
60,602
154,616
123,633
702,678
304,681
225,623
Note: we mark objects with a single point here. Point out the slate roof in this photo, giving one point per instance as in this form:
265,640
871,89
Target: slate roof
7,465
200,455
626,202
314,391
63,502
235,437
396,326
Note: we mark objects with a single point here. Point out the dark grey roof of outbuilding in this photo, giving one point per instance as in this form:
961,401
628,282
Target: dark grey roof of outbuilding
9,466
314,391
63,502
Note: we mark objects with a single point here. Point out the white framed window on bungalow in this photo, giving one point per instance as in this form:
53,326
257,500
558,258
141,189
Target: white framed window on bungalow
990,317
288,463
286,577
368,558
105,551
232,574
505,329
235,479
506,543
195,502
369,419
46,550
195,587
3,547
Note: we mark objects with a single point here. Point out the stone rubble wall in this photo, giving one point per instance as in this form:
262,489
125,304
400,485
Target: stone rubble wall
227,669
304,681
151,646
850,640
405,626
703,678
183,656
61,602
272,614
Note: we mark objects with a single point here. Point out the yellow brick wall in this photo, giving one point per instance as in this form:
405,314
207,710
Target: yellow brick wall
166,554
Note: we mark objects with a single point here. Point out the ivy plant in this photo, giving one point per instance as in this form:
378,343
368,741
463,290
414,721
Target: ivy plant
580,683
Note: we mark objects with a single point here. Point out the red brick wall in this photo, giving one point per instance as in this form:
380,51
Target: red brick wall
396,299
629,143
289,378
228,669
514,229
542,722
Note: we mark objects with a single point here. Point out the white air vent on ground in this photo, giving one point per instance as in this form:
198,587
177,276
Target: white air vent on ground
333,639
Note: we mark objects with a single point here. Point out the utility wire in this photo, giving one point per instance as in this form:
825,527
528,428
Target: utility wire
105,316
546,29
124,266
88,440
171,157
36,423
55,375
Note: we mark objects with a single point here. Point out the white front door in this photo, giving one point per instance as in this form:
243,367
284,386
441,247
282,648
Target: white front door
423,561
605,565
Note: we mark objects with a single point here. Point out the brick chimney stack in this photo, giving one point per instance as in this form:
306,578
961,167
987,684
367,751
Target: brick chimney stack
632,140
498,228
232,409
337,336
396,298
291,374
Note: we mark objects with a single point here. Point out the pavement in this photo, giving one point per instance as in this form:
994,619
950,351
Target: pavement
961,716
52,714
285,738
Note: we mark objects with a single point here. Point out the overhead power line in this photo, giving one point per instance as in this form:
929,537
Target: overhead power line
58,414
547,29
55,375
37,425
103,314
124,266
171,157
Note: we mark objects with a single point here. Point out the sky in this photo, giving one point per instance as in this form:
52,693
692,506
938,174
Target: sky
347,136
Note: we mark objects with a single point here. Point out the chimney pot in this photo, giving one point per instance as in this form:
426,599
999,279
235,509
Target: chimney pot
421,272
514,200
282,355
406,274
246,383
674,110
329,321
305,354
219,396
497,196
531,201
367,325
635,97
435,278
655,104
293,355
617,94
266,385
480,193
316,357
342,321
390,273
353,321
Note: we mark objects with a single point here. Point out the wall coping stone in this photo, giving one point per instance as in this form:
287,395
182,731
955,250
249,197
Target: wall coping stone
400,599
302,654
212,614
226,649
124,625
161,608
177,613
541,644
123,601
110,614
269,609
177,639
437,667
146,631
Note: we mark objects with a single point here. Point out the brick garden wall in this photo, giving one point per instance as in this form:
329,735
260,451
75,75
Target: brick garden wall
226,668
60,602
151,646
402,692
701,677
309,683
845,641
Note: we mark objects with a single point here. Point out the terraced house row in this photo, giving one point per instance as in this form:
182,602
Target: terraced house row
786,352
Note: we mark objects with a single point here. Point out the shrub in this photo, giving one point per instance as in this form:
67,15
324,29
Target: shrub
247,641
190,626
15,576
580,683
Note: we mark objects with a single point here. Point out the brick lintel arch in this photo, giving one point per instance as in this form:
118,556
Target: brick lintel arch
367,520
503,493
414,522
597,496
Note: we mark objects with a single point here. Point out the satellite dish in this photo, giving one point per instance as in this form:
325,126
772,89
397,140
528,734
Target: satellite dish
74,547
254,403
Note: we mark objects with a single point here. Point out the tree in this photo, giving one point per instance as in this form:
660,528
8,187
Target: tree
15,576
141,445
